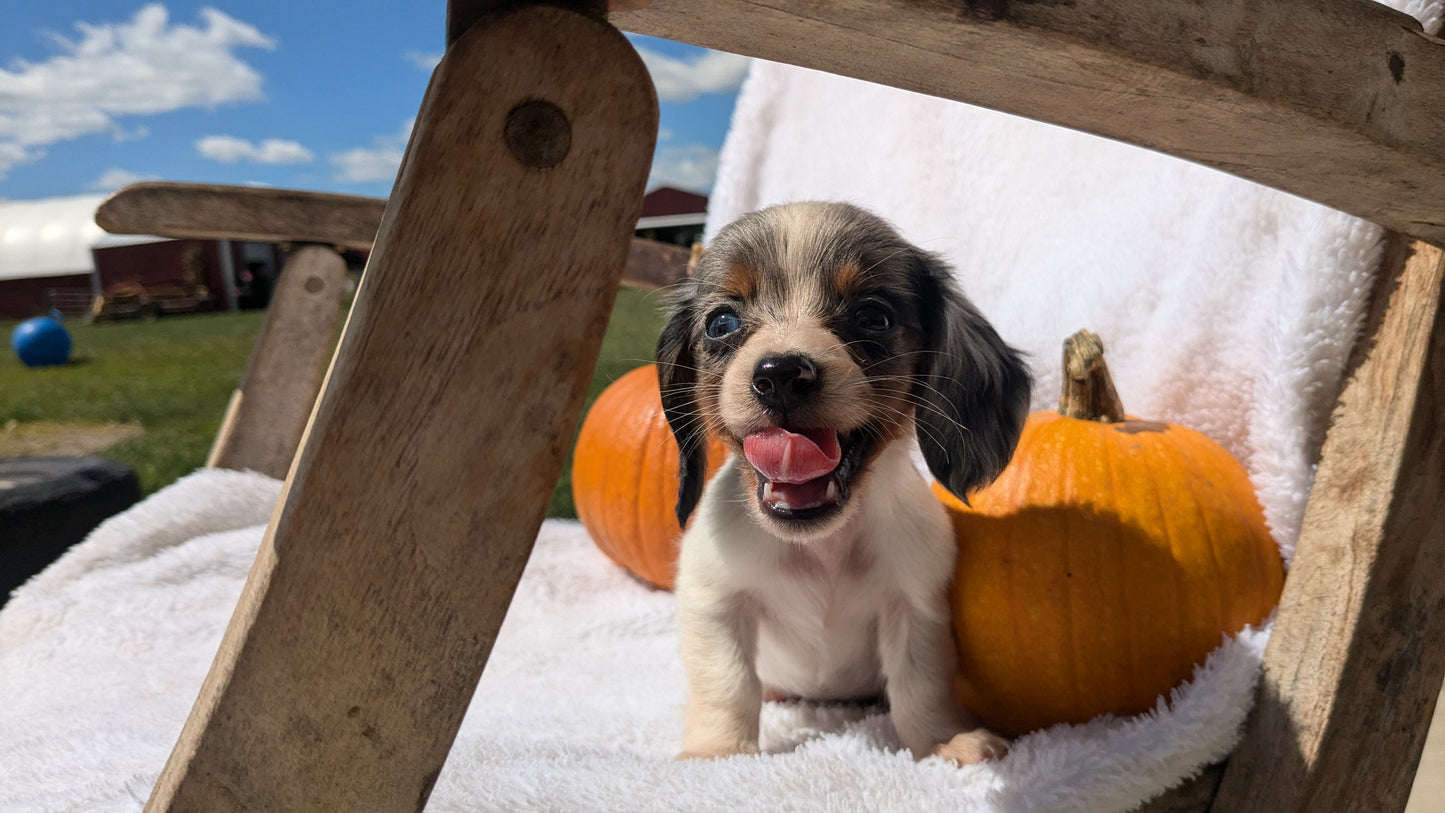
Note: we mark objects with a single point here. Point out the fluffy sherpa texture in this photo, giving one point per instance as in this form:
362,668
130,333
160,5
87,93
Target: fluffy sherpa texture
102,655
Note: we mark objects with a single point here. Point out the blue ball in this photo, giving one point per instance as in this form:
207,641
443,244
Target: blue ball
41,342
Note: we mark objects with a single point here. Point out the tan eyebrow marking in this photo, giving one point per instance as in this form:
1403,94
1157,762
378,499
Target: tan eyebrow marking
848,278
740,281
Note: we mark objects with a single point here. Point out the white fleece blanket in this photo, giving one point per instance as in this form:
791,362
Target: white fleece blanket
101,657
1225,306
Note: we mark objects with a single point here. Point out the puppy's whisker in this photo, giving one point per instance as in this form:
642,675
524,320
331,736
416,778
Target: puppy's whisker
895,358
688,369
907,417
942,398
895,253
923,404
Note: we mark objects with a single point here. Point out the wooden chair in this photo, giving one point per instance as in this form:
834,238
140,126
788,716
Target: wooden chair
388,567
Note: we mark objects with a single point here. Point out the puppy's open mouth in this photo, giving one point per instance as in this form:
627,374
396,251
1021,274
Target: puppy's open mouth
805,474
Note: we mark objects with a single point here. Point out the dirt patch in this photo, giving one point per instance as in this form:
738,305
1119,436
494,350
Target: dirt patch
55,438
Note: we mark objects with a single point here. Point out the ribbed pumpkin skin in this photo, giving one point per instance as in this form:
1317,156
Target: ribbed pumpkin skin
1103,564
624,477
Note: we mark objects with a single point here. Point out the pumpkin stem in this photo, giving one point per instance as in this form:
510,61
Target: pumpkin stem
1089,392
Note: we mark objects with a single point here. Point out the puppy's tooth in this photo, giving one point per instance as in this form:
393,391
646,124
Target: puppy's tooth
767,492
832,493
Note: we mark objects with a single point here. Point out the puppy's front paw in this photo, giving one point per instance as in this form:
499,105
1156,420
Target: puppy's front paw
970,747
744,749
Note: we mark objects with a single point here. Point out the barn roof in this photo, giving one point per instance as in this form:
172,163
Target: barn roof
666,200
53,237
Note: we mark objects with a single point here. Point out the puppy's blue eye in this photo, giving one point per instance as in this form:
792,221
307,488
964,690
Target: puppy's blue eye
723,324
874,318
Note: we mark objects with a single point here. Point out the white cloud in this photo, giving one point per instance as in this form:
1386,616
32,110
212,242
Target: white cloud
379,162
691,166
229,150
423,61
12,155
680,80
115,178
145,66
120,135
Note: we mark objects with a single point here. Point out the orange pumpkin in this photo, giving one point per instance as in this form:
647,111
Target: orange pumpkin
1108,559
624,477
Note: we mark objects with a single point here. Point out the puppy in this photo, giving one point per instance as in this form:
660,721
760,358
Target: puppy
816,342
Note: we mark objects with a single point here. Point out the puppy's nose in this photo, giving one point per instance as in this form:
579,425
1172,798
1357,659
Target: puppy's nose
784,382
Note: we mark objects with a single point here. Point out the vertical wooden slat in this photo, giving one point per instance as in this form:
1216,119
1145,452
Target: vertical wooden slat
1358,651
427,466
268,412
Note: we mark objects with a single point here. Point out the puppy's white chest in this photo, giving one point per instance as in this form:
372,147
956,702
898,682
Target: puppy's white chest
818,623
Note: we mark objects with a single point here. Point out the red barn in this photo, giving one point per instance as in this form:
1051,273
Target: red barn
45,259
53,256
672,216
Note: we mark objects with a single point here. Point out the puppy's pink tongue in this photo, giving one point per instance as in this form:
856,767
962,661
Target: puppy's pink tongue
789,457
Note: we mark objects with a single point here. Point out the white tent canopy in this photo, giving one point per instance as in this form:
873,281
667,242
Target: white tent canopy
53,237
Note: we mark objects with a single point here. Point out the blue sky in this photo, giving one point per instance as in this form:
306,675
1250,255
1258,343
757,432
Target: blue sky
95,94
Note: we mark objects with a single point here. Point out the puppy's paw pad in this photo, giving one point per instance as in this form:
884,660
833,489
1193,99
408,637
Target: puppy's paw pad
972,747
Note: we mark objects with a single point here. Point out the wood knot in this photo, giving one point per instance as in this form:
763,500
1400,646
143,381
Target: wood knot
538,134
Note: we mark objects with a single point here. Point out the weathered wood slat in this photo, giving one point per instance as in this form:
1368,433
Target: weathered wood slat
1357,655
212,212
1342,101
1190,796
462,13
268,412
426,468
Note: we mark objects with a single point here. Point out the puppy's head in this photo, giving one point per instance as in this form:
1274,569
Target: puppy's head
809,337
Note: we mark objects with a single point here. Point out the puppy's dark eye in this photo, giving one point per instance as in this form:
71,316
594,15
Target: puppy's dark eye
872,317
723,324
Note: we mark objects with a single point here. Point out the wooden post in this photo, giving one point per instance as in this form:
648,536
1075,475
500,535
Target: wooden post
426,468
268,412
1355,663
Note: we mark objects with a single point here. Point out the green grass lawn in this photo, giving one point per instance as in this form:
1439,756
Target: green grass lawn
630,342
173,377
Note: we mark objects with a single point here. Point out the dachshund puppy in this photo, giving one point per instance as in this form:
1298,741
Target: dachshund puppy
815,343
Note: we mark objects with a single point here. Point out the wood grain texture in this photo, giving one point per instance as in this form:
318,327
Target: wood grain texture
1342,102
268,413
462,13
426,468
1355,662
1193,795
213,211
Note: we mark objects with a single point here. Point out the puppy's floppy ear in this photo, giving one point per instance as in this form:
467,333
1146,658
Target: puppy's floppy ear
677,378
973,390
